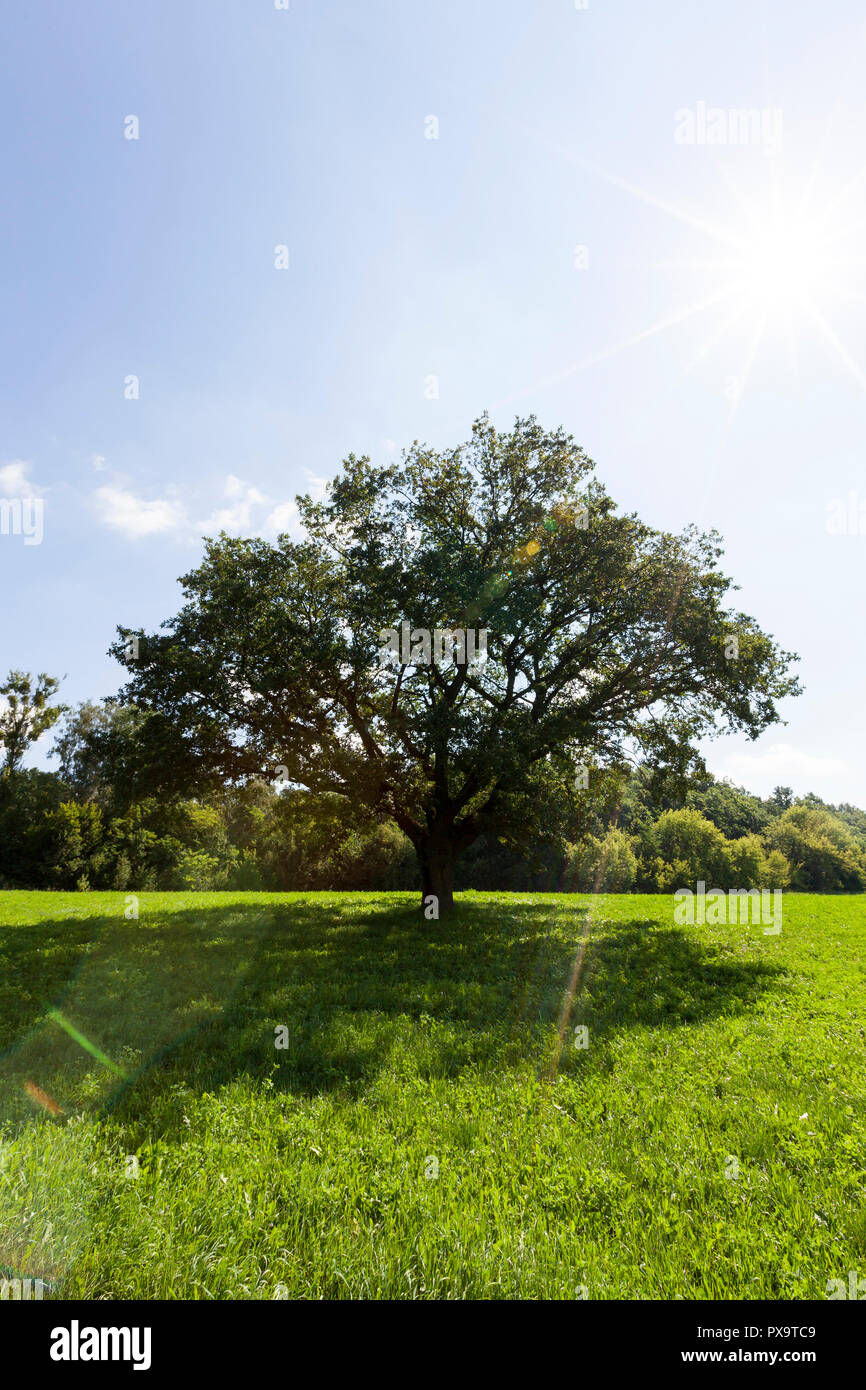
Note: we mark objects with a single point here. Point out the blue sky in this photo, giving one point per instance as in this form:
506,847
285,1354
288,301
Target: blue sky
601,234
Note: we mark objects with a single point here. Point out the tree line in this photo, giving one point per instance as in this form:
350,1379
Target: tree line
97,823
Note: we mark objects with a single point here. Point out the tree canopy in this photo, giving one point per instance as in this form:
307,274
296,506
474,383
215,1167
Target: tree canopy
607,642
25,714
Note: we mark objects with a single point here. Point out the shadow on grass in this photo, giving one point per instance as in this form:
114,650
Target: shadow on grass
190,999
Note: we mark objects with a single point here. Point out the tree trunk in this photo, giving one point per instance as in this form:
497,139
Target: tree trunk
436,858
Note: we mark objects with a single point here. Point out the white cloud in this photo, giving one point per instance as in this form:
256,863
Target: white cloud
98,463
782,765
134,517
281,518
317,488
243,517
247,511
14,481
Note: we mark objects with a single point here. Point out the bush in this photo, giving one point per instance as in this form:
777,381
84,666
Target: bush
380,858
70,836
197,872
246,875
687,848
599,865
122,873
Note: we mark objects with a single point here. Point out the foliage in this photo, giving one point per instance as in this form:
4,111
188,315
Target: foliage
607,865
822,851
687,847
97,747
25,714
249,837
607,640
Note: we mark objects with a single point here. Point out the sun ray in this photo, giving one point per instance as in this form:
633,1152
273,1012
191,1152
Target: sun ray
835,342
689,263
699,224
751,354
660,326
784,265
714,339
833,208
791,346
745,210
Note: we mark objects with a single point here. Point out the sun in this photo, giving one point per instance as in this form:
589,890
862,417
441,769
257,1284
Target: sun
783,263
787,269
782,257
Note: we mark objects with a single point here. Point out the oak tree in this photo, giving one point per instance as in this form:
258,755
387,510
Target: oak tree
608,642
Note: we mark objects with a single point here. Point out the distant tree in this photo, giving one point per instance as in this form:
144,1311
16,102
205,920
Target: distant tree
823,853
688,848
608,641
97,746
25,798
25,714
853,817
753,867
732,809
782,798
602,865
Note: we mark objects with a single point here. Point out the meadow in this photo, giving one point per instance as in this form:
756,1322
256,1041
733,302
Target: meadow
433,1126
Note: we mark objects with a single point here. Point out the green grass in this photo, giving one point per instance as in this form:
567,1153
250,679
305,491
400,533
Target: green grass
308,1172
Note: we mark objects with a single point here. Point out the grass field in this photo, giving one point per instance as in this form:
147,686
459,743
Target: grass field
431,1129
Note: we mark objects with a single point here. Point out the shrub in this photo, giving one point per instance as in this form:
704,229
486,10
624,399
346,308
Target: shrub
687,848
599,865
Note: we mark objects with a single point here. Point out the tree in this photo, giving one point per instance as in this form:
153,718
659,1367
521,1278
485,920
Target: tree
824,855
606,641
96,746
781,799
24,801
602,866
71,838
732,809
688,848
25,715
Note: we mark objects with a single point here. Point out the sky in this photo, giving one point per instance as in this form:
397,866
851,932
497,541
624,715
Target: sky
239,241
